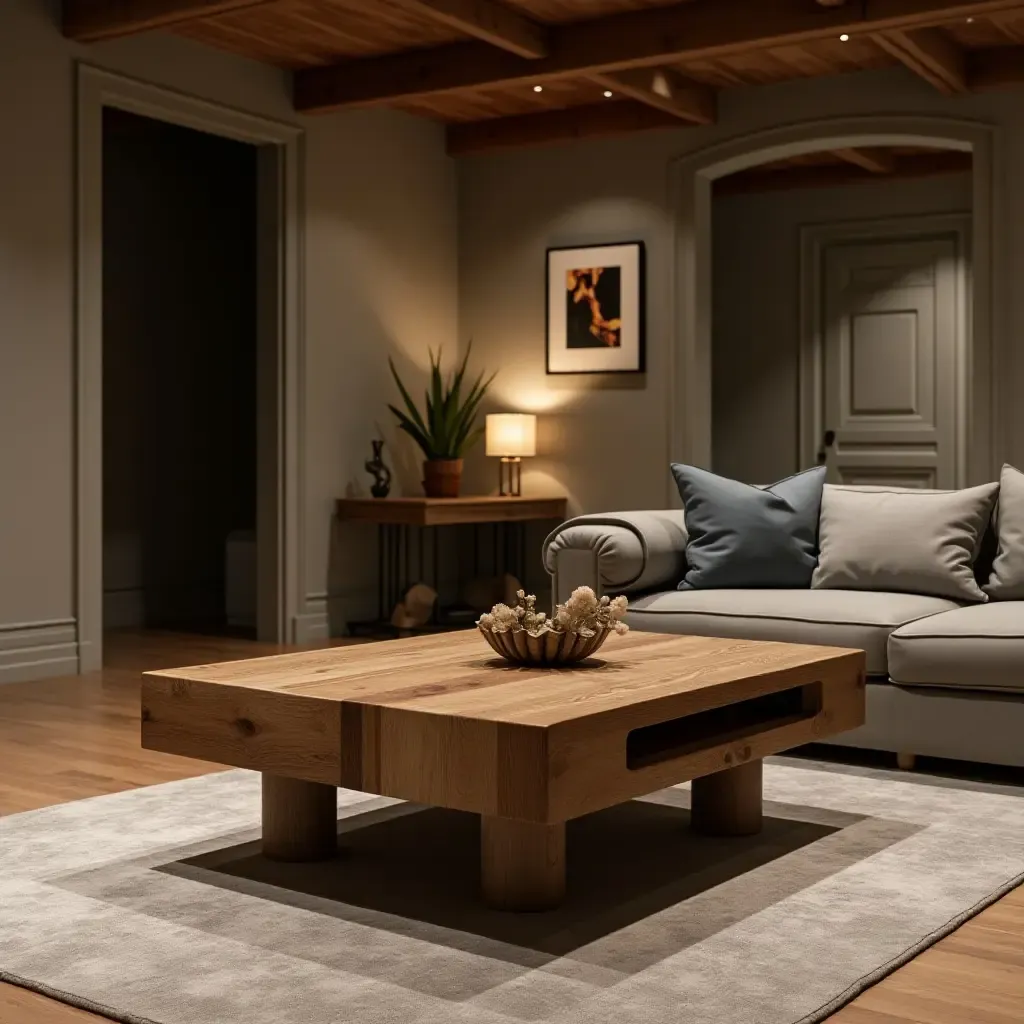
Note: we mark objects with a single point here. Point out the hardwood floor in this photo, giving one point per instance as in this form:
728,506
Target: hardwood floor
65,739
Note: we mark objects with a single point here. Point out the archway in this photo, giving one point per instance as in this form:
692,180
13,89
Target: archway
689,413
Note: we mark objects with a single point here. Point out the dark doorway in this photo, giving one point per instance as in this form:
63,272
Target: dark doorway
179,377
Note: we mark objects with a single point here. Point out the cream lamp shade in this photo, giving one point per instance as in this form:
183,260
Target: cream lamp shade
511,435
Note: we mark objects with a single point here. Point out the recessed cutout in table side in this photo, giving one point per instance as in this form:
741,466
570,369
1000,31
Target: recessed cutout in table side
678,737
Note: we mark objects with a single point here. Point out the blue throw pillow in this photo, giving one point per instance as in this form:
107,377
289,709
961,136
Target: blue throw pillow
745,536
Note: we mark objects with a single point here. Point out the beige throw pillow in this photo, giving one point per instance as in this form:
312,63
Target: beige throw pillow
908,541
1007,580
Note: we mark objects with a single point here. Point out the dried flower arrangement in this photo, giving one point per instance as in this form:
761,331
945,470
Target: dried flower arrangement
575,630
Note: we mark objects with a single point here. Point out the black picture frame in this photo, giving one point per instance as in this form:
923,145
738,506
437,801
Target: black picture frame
567,350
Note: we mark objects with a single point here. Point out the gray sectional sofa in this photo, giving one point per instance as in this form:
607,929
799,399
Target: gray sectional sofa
946,678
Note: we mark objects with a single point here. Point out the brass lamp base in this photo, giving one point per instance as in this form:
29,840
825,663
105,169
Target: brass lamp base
510,477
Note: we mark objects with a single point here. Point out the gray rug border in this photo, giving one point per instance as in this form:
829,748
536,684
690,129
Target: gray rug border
814,1017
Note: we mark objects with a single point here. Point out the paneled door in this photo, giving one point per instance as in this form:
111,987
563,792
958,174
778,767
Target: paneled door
890,334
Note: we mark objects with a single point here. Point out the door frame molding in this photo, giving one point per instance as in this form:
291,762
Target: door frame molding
97,89
813,240
689,391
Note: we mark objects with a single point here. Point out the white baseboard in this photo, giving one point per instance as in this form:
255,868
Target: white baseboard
38,650
313,625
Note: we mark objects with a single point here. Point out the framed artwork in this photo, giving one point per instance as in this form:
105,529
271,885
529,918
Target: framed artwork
595,309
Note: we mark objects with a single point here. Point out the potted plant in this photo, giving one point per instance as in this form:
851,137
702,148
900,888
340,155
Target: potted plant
445,430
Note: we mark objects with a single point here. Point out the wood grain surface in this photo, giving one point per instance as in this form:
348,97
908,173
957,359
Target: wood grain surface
449,511
77,737
439,720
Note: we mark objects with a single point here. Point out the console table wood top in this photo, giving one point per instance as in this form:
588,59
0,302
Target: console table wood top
449,511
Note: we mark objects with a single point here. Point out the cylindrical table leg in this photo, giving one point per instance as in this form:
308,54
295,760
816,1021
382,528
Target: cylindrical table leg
522,864
300,819
728,803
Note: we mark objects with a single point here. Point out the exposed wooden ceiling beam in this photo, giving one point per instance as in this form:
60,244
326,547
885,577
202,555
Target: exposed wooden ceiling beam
487,20
923,165
931,54
614,117
876,161
988,69
642,38
665,90
91,21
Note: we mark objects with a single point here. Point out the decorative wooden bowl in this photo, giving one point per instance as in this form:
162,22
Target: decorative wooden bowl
547,649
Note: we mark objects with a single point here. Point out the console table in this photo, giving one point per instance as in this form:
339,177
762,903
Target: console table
408,544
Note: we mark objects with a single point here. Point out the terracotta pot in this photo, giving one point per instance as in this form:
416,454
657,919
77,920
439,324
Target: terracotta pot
442,477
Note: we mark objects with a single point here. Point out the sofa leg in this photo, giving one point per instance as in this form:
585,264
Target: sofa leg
905,762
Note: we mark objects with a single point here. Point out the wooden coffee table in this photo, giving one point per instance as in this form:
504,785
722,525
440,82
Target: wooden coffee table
439,720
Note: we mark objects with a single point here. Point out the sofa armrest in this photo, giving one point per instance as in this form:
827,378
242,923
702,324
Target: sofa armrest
619,552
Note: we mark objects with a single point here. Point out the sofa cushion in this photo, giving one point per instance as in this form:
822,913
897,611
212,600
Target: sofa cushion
745,536
1007,580
916,542
842,618
980,647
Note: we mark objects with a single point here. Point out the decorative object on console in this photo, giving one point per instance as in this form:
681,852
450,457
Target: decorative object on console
595,309
576,630
1007,580
912,542
416,609
381,486
446,428
745,536
511,437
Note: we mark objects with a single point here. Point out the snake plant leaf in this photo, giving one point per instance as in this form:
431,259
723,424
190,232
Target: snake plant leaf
419,436
444,428
410,405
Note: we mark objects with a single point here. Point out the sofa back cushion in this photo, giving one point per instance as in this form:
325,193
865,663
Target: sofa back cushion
903,540
745,536
1007,580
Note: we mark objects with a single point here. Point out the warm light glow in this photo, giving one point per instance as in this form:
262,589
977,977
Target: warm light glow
844,38
538,88
607,94
511,434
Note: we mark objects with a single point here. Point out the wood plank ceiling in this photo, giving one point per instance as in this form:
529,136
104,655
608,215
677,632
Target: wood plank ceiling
517,72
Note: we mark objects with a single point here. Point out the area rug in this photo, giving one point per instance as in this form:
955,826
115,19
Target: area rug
154,905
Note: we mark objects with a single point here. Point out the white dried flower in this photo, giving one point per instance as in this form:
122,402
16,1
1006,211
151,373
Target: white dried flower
582,602
584,613
505,618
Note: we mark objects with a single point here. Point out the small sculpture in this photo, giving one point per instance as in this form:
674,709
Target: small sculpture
380,472
415,609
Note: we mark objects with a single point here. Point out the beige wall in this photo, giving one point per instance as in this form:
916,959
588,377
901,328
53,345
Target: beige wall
380,256
756,308
609,447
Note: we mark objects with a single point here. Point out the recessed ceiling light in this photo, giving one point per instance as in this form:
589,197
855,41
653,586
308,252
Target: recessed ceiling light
970,21
844,38
608,94
538,88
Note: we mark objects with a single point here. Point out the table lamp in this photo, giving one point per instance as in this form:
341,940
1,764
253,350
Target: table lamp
511,436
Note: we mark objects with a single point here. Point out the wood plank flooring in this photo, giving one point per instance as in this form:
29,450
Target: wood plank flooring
66,739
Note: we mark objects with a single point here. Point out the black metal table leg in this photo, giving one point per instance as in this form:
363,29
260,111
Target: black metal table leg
380,572
436,581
